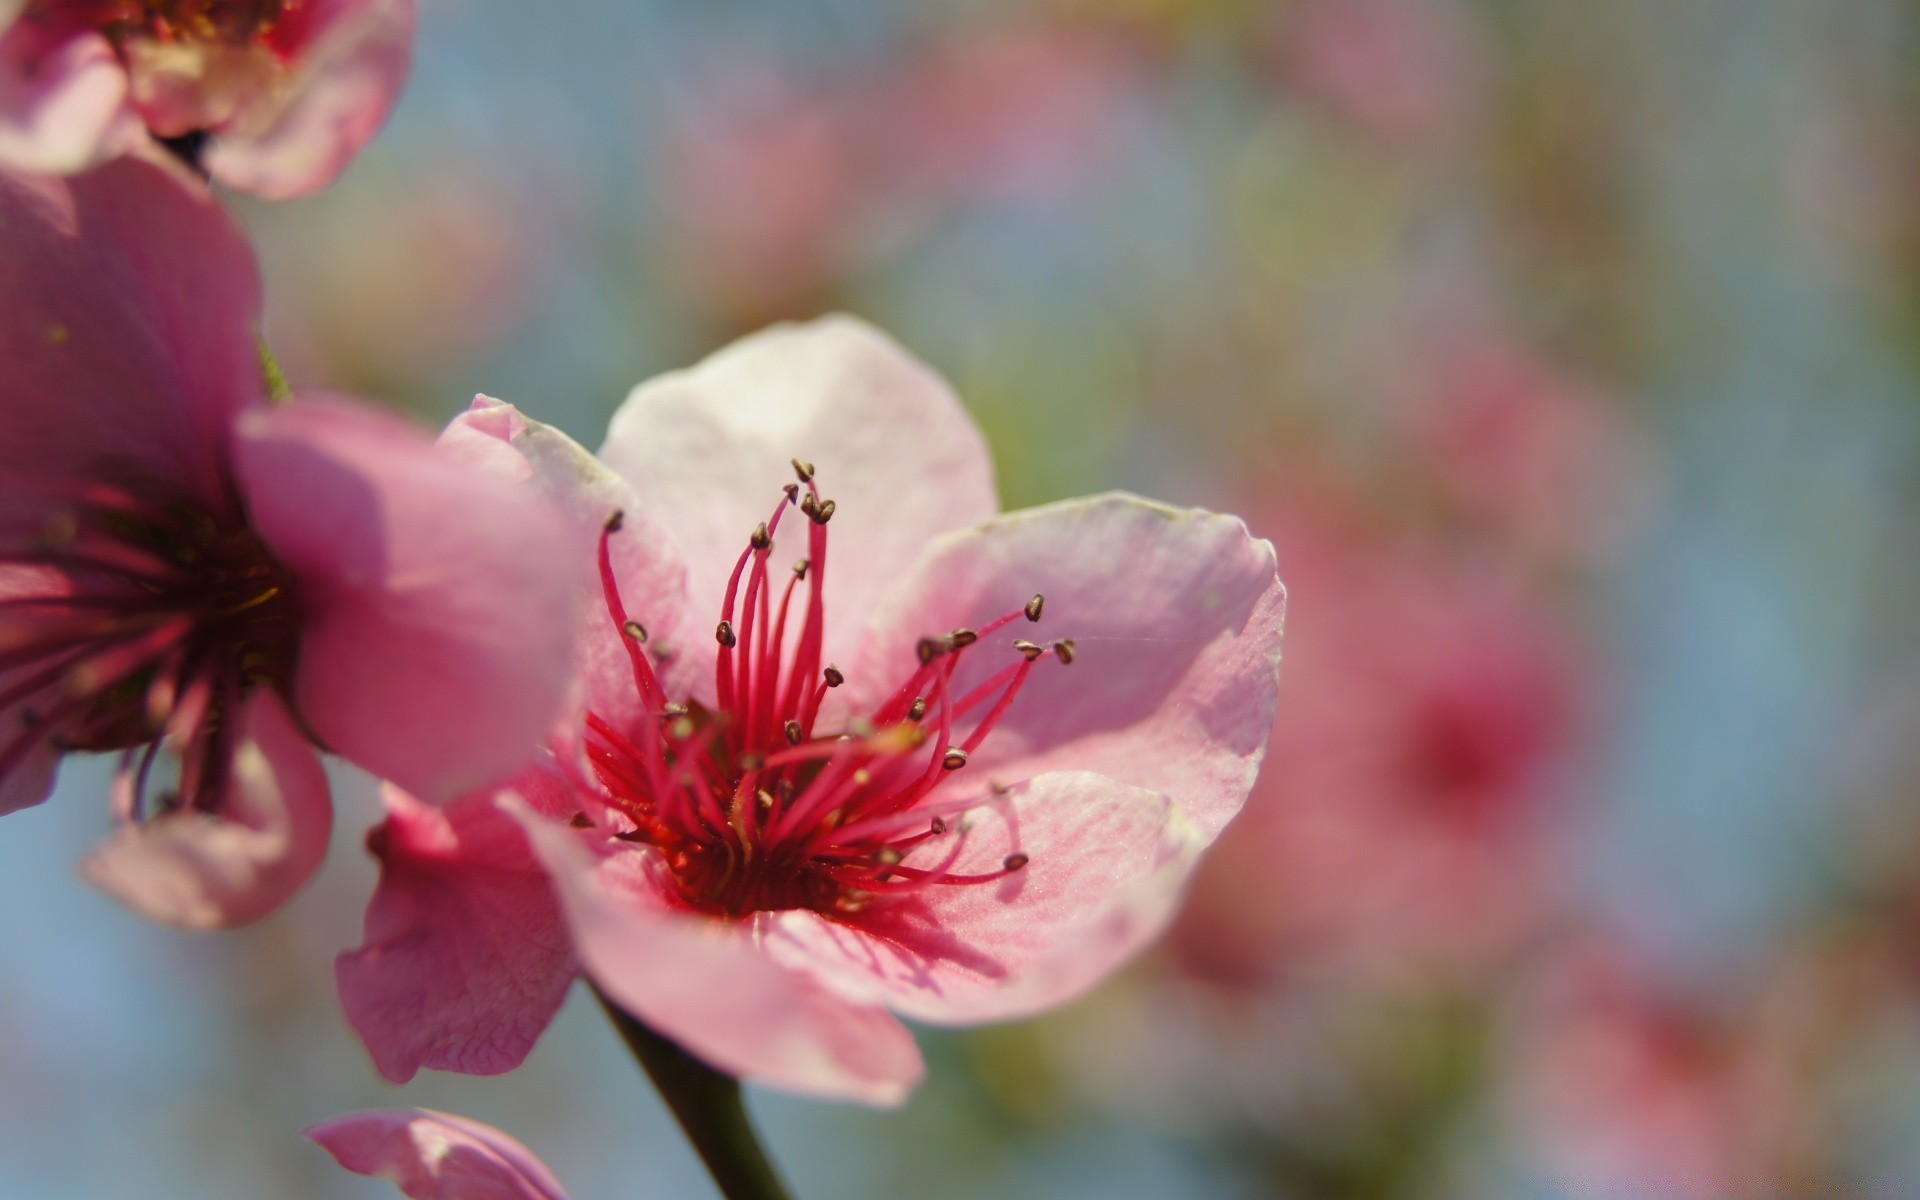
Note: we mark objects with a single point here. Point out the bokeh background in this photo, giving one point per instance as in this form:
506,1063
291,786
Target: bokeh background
1567,352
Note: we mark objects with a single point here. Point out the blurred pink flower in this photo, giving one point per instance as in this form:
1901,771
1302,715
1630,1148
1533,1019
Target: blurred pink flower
184,566
1404,71
436,1156
287,91
1398,822
760,854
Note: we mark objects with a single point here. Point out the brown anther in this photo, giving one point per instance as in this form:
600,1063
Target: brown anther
954,758
1035,606
681,730
803,469
998,788
962,637
765,799
809,503
723,633
1027,649
823,512
752,762
673,711
833,675
931,648
792,729
939,824
581,820
887,856
761,539
1016,861
1063,650
664,650
918,709
635,630
793,492
853,901
615,520
800,568
784,789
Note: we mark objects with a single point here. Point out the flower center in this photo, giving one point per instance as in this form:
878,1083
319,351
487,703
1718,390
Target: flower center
131,618
229,22
755,805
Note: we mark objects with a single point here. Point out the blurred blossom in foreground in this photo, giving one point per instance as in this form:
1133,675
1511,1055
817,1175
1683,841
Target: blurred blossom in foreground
282,93
436,1156
195,571
1406,72
765,855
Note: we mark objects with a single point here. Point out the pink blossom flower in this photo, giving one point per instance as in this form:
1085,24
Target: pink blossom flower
184,566
284,92
436,1156
808,791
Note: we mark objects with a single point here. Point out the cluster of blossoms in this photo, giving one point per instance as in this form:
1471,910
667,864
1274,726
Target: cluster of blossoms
763,719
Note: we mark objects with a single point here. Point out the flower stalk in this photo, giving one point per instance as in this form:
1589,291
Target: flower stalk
708,1105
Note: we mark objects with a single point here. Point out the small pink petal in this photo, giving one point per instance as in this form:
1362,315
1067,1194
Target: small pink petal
63,105
1175,615
203,870
1105,867
436,1156
347,79
708,984
440,600
895,450
130,297
465,958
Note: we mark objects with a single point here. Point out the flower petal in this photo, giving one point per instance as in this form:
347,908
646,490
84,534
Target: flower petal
1176,617
1105,867
651,577
207,870
63,103
708,985
349,75
130,297
895,450
465,958
440,603
436,1156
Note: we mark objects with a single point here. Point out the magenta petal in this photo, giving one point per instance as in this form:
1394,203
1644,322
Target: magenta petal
206,870
63,105
708,984
436,1156
1105,867
440,601
1175,615
130,297
895,450
346,80
465,958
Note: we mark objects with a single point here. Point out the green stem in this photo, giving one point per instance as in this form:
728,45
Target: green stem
708,1106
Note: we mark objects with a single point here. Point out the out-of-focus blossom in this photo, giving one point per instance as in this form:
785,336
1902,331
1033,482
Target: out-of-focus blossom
187,568
1404,71
436,1156
765,855
1399,819
281,93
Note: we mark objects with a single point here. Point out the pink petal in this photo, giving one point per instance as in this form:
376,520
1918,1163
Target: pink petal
652,579
130,297
205,870
1106,864
440,601
894,449
465,958
708,985
63,104
347,80
31,781
1175,614
436,1156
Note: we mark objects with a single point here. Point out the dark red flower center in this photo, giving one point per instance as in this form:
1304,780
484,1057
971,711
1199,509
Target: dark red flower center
756,805
205,22
132,618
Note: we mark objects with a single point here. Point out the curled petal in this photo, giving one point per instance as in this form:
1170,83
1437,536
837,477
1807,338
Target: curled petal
711,987
440,603
436,1156
128,296
349,70
465,958
1175,616
894,449
206,870
1105,865
63,104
